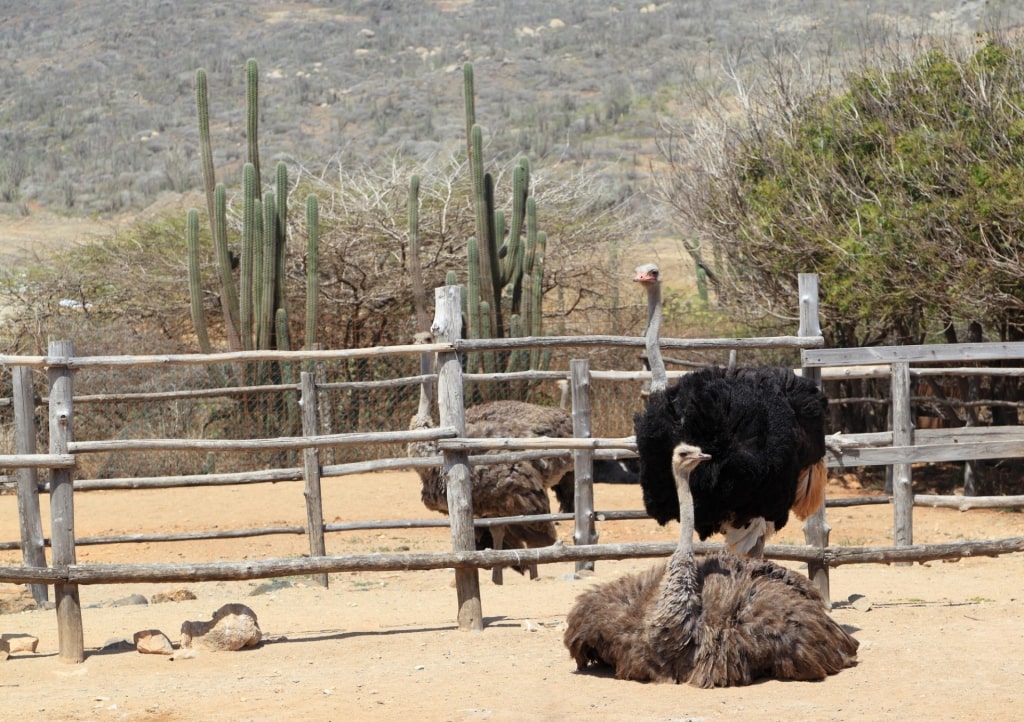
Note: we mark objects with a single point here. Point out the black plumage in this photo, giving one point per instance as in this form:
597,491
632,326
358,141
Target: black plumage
764,428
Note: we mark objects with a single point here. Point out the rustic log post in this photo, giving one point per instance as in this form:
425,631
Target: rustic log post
816,528
902,435
324,407
447,327
71,638
33,549
311,473
582,459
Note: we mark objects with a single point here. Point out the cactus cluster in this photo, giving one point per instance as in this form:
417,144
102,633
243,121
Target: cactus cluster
505,259
255,314
255,310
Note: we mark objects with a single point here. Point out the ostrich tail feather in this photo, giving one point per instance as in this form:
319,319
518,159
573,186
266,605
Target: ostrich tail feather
810,491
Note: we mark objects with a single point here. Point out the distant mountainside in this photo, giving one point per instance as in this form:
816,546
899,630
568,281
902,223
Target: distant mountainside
97,111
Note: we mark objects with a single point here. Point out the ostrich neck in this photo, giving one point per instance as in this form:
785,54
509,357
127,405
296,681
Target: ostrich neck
659,379
679,604
686,521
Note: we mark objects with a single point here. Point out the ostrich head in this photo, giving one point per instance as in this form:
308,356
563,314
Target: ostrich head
685,458
647,274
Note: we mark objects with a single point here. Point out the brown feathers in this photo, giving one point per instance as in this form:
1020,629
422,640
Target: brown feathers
755,619
723,621
810,489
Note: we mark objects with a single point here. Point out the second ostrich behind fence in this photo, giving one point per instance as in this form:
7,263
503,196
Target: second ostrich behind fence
506,489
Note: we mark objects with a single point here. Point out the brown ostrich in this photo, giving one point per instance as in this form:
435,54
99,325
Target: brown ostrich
725,621
506,489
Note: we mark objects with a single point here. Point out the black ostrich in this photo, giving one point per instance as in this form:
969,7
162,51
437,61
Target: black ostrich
764,428
722,622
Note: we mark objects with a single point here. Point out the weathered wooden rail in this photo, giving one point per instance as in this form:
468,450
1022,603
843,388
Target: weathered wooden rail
904,445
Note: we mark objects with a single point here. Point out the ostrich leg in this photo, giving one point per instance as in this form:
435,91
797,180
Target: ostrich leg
498,538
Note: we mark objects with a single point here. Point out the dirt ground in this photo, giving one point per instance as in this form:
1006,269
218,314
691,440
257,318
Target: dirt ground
939,641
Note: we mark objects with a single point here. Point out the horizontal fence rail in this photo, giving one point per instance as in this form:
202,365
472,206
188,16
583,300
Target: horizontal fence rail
263,569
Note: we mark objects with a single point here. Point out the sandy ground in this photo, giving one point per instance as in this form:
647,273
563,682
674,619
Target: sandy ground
940,641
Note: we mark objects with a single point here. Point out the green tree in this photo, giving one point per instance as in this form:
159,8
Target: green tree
902,190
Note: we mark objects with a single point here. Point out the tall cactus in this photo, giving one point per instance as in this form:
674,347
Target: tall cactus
312,268
507,267
419,295
252,118
503,267
195,288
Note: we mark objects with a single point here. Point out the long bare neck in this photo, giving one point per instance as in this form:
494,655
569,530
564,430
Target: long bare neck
659,379
686,521
677,609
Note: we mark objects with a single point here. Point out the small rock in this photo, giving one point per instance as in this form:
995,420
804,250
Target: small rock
117,644
860,602
529,626
233,627
20,643
153,641
129,601
184,654
16,598
178,595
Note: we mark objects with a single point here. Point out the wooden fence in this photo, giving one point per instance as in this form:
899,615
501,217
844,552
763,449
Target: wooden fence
896,448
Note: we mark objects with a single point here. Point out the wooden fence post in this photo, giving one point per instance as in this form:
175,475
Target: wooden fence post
902,435
311,473
71,639
324,407
582,459
33,549
447,327
816,528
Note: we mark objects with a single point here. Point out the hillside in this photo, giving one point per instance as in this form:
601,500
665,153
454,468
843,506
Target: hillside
97,112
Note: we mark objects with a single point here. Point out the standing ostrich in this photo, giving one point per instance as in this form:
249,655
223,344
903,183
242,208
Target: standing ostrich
764,428
726,621
507,489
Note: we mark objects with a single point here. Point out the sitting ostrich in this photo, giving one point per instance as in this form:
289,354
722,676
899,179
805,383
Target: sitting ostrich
764,428
506,489
725,621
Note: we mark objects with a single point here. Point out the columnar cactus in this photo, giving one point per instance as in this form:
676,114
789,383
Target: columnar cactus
251,314
508,269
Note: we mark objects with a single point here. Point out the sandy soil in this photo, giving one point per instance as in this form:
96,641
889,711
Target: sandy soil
940,641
